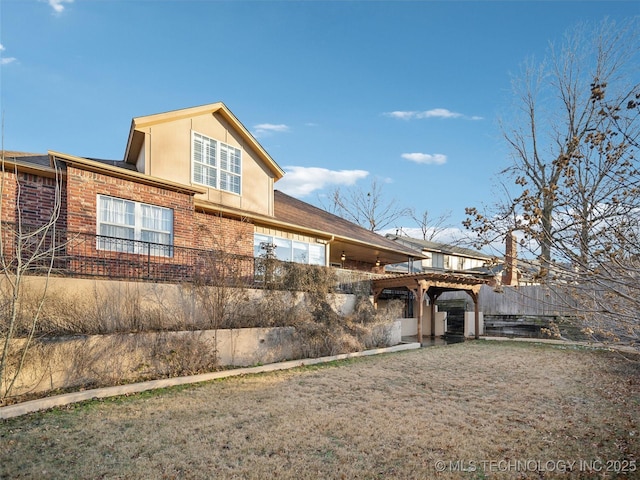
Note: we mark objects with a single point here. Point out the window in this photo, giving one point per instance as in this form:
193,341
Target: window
128,224
283,249
437,260
288,250
216,164
300,252
262,245
316,254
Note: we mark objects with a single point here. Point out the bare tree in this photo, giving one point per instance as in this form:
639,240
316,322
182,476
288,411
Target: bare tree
430,227
24,249
576,180
597,240
558,117
367,207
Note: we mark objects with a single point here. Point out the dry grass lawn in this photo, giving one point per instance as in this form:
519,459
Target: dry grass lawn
498,410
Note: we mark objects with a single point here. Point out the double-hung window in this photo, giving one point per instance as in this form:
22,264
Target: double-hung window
216,164
134,227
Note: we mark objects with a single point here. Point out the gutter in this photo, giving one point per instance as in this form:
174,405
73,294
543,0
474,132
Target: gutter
271,221
98,167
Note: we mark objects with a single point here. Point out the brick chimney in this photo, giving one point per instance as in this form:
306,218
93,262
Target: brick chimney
510,275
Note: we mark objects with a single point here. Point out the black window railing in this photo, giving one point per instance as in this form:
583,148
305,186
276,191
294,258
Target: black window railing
86,255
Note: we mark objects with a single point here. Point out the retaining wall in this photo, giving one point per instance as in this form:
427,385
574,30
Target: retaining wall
68,362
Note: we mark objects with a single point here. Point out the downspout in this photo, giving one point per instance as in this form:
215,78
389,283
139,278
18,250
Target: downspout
327,251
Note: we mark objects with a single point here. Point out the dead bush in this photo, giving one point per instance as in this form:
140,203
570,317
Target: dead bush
27,302
321,331
273,308
314,339
184,353
58,363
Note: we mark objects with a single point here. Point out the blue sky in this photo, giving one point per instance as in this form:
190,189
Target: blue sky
338,92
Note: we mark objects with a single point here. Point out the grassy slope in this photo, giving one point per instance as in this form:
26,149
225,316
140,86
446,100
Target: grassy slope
392,416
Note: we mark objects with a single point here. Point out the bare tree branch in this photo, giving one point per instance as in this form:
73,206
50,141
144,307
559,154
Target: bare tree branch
430,227
576,175
23,249
367,208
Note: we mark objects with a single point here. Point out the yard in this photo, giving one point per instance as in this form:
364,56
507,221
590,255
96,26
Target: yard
478,409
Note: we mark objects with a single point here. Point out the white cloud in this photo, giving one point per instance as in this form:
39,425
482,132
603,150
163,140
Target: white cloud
58,5
264,129
401,115
433,113
439,113
425,158
301,181
5,60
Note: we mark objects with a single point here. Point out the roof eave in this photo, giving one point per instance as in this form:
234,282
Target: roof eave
24,167
273,222
97,167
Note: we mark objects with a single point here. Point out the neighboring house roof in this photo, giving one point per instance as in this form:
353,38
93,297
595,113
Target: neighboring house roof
346,235
136,137
426,245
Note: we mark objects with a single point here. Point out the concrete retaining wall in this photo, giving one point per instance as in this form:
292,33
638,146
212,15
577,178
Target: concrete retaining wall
68,398
86,360
67,362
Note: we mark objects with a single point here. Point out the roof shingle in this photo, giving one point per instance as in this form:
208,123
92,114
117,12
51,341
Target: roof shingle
296,212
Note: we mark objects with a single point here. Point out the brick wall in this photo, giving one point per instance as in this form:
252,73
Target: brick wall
215,232
29,200
83,187
37,200
9,192
34,200
192,230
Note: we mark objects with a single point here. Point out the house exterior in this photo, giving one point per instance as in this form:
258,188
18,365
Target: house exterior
441,257
192,182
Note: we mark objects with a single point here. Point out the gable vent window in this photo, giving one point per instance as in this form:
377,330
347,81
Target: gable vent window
216,164
134,227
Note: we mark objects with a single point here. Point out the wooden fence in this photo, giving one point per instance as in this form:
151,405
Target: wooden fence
533,300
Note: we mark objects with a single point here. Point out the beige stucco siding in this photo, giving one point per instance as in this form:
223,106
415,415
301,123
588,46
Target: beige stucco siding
290,235
167,154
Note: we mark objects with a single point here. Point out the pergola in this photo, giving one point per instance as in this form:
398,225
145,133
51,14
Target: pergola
434,285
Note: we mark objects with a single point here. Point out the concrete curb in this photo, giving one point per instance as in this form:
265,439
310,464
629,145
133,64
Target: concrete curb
619,348
74,397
